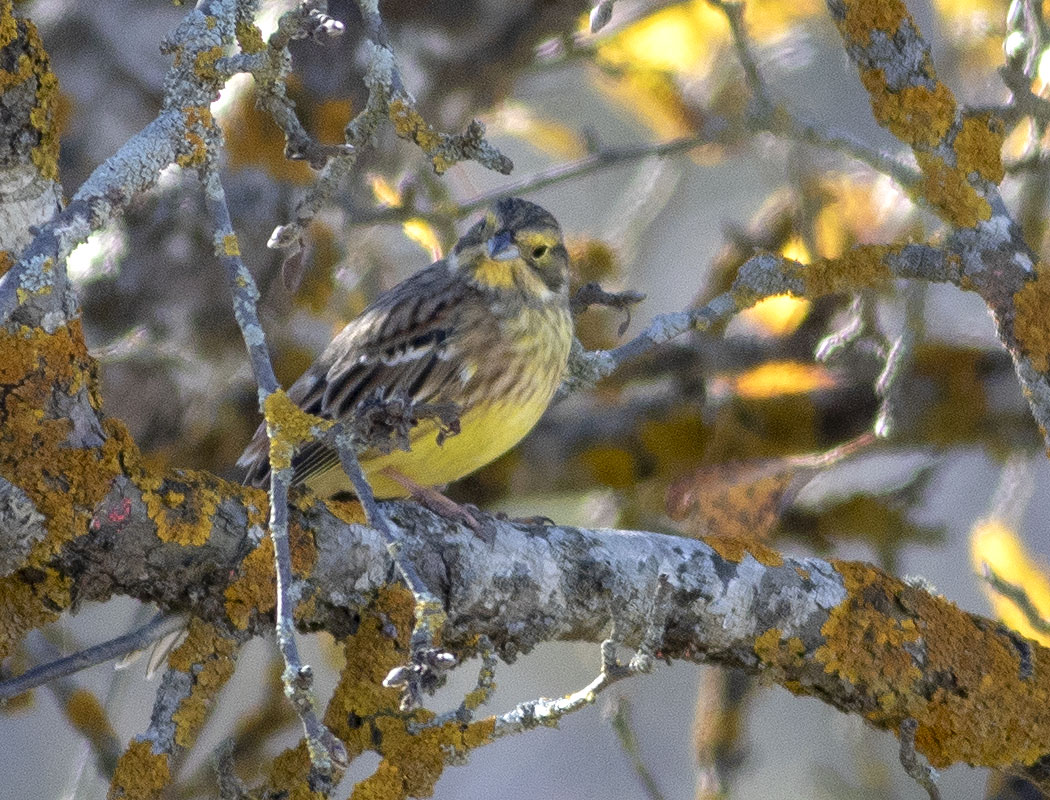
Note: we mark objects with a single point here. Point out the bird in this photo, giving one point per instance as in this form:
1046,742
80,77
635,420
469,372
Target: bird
488,329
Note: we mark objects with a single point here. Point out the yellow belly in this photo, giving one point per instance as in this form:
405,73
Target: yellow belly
486,433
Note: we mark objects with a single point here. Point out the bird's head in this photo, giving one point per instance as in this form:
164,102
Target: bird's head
516,247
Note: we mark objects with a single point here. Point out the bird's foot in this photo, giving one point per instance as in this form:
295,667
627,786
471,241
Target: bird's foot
433,500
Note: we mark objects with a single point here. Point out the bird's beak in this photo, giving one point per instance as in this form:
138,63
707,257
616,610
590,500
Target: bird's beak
501,249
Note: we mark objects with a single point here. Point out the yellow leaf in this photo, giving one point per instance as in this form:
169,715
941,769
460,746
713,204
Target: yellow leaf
779,378
385,193
422,233
676,39
996,545
779,315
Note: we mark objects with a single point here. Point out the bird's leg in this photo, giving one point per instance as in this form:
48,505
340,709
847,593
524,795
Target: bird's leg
433,500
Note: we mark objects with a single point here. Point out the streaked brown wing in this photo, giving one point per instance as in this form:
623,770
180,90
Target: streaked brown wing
403,343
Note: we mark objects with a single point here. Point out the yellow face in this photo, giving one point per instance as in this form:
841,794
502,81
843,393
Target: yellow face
517,248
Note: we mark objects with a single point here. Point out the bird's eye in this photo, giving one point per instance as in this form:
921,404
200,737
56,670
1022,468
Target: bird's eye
539,251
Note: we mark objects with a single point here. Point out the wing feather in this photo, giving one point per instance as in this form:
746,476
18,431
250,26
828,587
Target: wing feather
405,342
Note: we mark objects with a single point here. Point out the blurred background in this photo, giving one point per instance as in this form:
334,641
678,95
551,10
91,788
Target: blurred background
668,443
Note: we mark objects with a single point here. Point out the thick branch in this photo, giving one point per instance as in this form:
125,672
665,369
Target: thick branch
844,632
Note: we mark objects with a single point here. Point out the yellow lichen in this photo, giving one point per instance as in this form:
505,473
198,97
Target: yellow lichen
862,267
32,63
949,191
230,246
365,715
1031,321
978,147
37,371
249,37
866,646
254,591
184,508
197,119
291,427
734,548
864,16
204,64
208,657
409,124
978,693
289,774
141,774
26,604
916,115
778,655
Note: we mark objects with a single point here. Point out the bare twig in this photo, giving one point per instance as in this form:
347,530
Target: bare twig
923,774
899,357
327,753
1020,598
621,724
427,662
766,115
156,628
388,101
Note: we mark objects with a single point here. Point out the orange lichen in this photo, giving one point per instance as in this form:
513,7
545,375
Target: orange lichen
865,645
864,16
197,119
779,654
289,774
40,371
979,694
141,774
31,65
364,714
409,124
254,591
862,267
204,64
990,710
734,548
209,657
914,114
184,517
1031,323
949,191
349,511
27,604
978,147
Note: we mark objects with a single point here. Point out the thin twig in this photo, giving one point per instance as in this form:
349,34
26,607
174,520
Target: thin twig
923,774
1019,596
621,724
426,660
899,358
766,115
153,630
327,752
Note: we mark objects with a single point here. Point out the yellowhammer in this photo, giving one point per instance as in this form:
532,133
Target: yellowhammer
487,328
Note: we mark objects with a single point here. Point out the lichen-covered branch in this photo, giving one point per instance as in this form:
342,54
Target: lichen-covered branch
844,632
